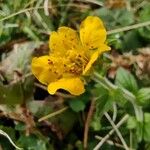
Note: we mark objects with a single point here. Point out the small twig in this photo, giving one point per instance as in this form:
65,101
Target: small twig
127,28
53,114
40,18
114,112
21,78
46,11
110,142
94,2
139,6
87,123
64,95
32,9
111,132
117,131
10,140
43,87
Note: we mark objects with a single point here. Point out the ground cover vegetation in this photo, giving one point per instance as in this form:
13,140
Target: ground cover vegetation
64,85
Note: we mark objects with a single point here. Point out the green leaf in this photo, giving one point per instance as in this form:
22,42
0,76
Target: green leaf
65,121
145,13
115,17
139,131
117,96
95,123
17,92
147,127
27,86
20,126
79,145
107,16
147,117
118,43
124,17
142,128
77,105
32,143
145,32
11,94
30,33
126,80
131,37
143,96
103,104
131,123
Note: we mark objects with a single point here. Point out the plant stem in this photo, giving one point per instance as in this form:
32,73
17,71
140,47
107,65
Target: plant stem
114,112
117,131
97,147
10,140
87,123
127,28
111,142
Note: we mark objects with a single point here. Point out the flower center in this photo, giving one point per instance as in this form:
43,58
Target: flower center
75,63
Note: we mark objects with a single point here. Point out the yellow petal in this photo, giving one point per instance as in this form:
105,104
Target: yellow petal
104,47
94,57
92,32
41,69
63,40
73,85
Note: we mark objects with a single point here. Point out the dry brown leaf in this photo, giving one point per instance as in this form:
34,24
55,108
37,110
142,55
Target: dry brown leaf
128,60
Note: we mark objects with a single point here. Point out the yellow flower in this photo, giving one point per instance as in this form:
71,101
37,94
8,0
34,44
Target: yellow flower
71,56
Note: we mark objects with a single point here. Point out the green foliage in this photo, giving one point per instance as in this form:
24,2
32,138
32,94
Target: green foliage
24,31
144,16
126,80
103,103
117,17
32,142
145,13
11,94
143,96
103,100
142,129
76,105
146,127
132,123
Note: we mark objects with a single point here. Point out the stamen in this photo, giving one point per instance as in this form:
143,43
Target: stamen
50,62
75,63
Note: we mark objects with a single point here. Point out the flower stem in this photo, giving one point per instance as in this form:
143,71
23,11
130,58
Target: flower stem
126,94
